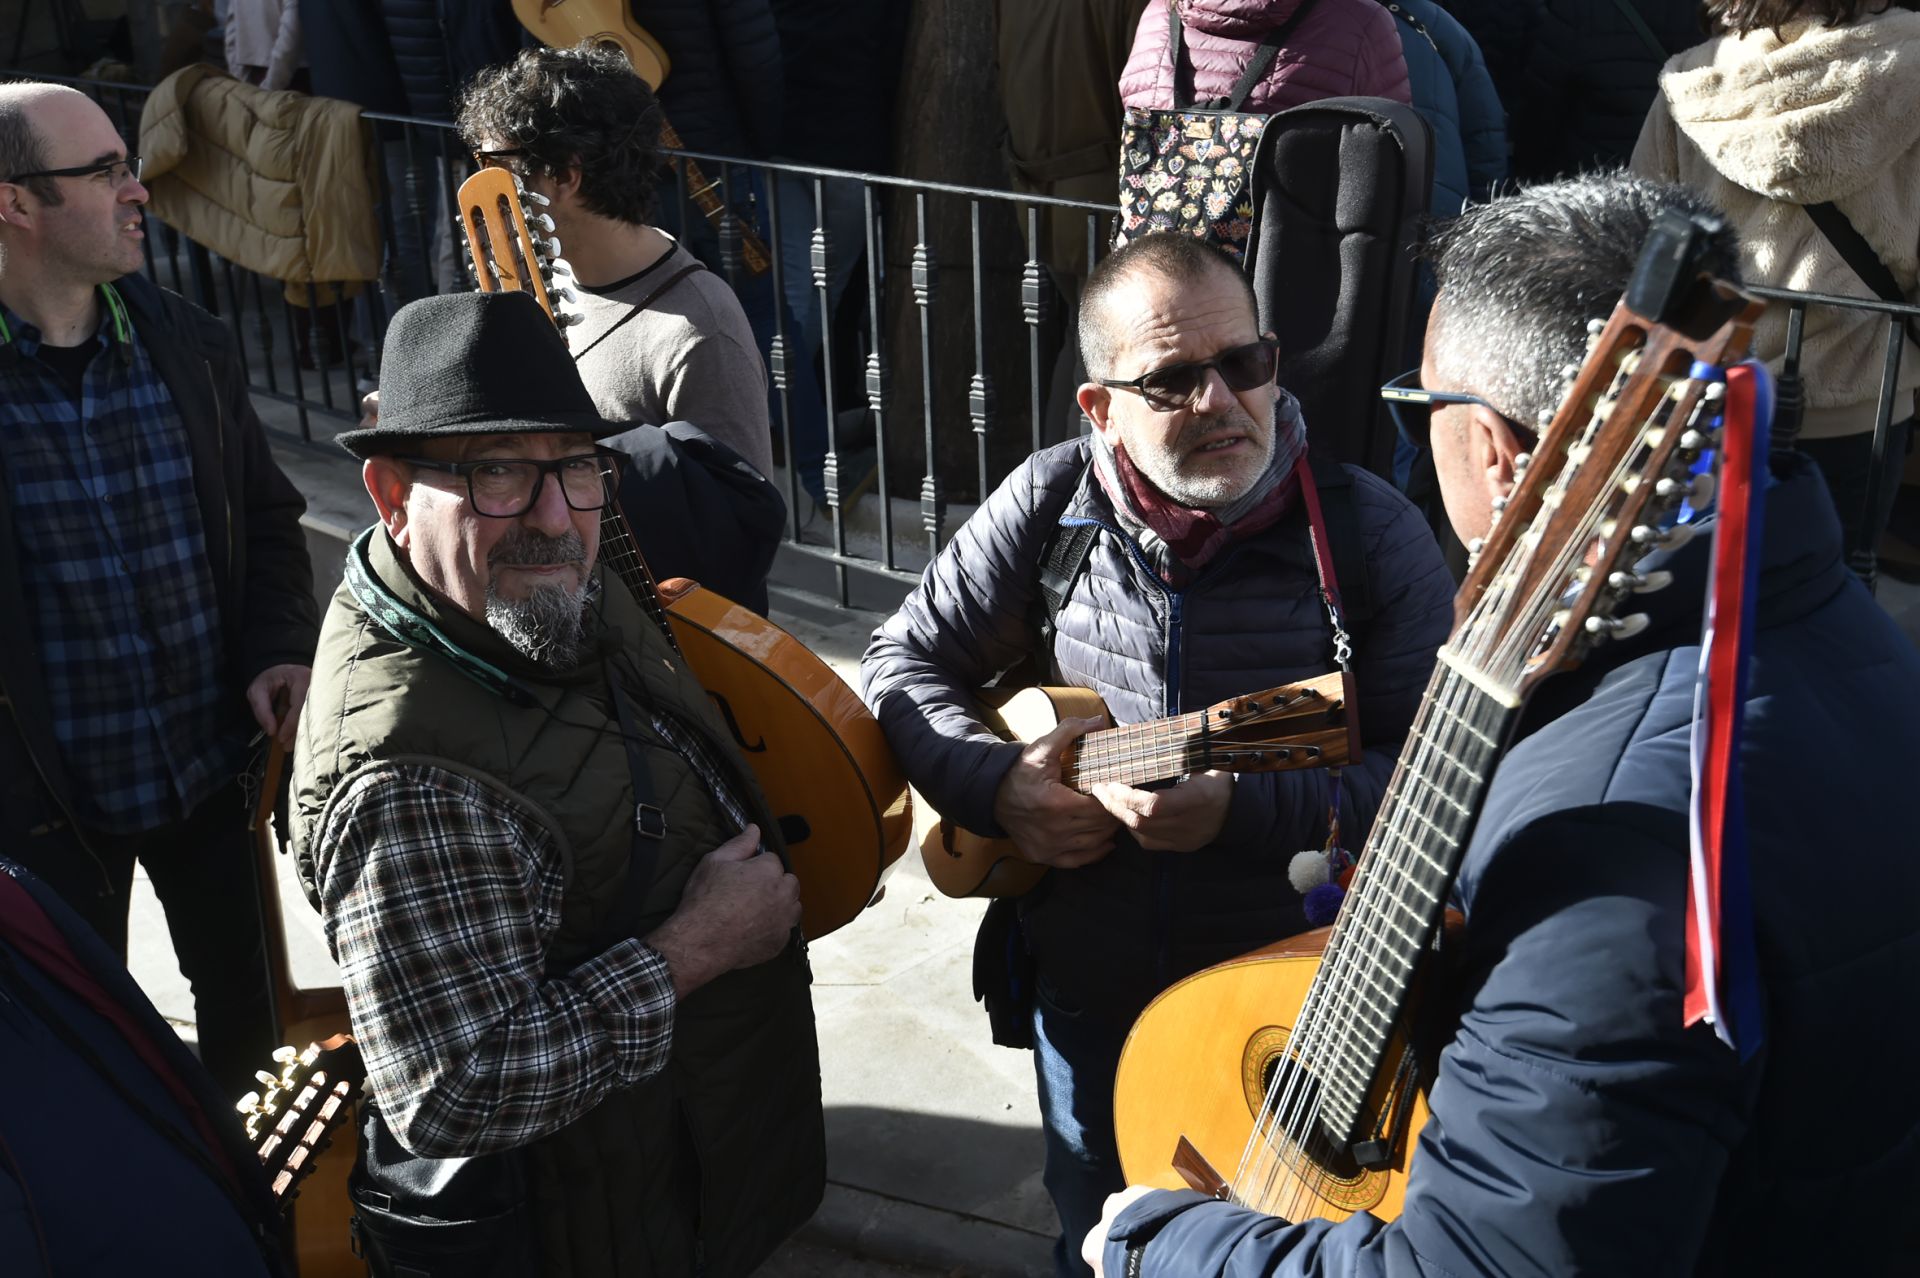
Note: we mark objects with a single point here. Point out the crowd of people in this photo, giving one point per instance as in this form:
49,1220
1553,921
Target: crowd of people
563,911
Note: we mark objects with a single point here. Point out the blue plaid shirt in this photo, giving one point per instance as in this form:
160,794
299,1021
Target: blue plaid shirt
113,564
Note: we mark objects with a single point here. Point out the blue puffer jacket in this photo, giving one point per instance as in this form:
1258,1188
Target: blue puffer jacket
1452,90
1504,31
1112,934
1577,1128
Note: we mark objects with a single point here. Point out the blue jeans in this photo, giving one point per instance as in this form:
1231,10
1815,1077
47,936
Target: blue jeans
1075,1057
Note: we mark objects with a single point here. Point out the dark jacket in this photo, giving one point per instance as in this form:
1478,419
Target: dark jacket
1504,30
1113,933
725,89
831,118
1577,1128
700,510
249,515
128,1092
1452,90
404,57
1589,79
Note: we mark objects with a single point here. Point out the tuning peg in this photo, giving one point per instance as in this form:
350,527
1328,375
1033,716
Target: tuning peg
1638,583
1694,441
247,1104
534,197
1616,627
541,222
1696,489
567,319
1595,327
1521,461
551,246
1714,391
1669,539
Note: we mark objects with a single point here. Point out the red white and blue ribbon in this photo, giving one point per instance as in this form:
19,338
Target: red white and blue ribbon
1723,979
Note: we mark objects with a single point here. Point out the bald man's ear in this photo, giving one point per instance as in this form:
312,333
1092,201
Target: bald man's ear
387,483
1492,444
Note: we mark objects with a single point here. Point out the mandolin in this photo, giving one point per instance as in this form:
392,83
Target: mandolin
819,756
1300,725
609,23
1282,1080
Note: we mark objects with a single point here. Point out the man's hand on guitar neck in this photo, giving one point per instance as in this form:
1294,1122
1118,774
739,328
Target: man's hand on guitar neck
1050,823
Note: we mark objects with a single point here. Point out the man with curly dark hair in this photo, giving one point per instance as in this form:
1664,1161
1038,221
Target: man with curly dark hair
663,340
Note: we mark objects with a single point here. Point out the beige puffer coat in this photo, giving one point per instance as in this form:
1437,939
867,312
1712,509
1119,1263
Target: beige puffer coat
280,183
1766,123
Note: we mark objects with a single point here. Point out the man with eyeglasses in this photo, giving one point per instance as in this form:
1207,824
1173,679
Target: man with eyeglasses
1581,1120
153,572
1196,578
559,905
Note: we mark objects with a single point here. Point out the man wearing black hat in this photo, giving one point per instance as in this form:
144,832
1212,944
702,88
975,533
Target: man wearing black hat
558,903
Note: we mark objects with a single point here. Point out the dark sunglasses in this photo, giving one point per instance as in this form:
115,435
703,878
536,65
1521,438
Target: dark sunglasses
498,159
1178,386
1412,406
117,172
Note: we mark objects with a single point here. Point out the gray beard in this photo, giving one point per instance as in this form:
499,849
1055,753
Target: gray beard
549,626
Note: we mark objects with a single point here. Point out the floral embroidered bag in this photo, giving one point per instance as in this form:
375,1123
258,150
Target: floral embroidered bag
1189,168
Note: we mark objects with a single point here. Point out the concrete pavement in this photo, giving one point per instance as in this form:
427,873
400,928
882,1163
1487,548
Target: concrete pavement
933,1140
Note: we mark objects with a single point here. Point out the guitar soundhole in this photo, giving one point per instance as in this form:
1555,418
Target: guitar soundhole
1265,1053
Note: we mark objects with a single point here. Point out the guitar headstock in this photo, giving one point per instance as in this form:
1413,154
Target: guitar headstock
513,245
292,1119
1601,489
1297,725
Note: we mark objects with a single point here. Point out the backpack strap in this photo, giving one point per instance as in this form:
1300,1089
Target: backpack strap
1257,66
1060,566
1851,245
1641,29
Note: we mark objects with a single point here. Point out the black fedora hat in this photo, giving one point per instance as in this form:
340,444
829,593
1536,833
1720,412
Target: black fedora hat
475,364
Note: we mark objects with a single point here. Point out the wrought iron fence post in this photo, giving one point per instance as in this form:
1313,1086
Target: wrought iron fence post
933,506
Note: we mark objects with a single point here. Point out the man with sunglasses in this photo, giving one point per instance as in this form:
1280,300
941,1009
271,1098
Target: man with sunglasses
153,572
559,905
1197,580
1581,1120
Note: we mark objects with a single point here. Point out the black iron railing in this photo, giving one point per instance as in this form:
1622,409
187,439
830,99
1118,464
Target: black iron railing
956,338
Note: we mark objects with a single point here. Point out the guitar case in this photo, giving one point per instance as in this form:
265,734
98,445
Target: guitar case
1339,187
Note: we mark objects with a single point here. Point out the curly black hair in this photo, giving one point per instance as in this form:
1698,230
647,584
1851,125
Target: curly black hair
579,107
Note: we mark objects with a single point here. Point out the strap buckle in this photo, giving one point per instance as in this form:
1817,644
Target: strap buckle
650,821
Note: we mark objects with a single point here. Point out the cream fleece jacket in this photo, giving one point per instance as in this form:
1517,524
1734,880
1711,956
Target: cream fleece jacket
1764,124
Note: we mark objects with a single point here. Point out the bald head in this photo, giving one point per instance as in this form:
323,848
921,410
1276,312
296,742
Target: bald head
32,113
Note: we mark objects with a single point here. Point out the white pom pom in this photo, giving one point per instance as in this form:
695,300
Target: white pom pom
1307,870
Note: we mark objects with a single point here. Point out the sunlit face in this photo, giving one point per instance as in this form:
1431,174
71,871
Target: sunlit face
1211,453
467,556
94,234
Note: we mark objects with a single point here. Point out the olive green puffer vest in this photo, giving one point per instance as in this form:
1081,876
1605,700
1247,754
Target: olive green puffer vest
721,1155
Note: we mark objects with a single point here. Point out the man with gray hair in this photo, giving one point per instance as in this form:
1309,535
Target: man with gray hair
561,909
154,579
1196,578
1579,1123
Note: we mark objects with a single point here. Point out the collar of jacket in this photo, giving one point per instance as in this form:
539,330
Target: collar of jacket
122,325
406,609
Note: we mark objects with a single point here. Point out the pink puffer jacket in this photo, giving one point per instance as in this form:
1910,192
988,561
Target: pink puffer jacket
1341,48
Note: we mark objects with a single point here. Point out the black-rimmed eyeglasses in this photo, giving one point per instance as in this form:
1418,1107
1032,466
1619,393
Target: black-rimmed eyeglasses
1178,386
498,159
1412,406
502,487
117,172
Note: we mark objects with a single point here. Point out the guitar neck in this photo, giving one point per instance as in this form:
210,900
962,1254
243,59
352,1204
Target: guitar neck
1400,891
702,192
1139,753
622,553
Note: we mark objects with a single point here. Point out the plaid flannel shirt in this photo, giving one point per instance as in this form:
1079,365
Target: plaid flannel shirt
113,562
440,897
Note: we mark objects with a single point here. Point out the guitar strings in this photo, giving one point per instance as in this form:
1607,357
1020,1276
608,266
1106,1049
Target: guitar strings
1364,910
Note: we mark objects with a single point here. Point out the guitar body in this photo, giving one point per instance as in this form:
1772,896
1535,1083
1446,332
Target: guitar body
962,863
821,759
566,23
1194,1066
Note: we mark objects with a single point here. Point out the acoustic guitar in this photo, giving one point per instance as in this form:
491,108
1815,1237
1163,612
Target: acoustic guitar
609,24
1282,1080
321,1244
1300,725
819,756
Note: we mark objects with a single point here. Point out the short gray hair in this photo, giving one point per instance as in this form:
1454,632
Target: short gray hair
1172,255
1520,277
